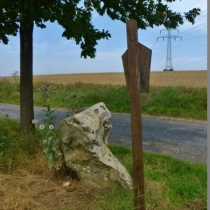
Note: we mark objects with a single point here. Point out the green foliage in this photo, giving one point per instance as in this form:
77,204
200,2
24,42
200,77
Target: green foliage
50,139
16,148
13,143
75,16
178,101
50,116
184,102
46,93
50,144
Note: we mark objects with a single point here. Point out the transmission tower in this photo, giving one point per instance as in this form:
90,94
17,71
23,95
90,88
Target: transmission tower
169,66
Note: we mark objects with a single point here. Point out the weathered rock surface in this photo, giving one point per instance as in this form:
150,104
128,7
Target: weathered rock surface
84,138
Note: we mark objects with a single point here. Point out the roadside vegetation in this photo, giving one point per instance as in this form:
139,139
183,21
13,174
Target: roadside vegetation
180,102
28,183
28,163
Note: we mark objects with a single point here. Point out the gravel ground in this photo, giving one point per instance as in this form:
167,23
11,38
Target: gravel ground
186,140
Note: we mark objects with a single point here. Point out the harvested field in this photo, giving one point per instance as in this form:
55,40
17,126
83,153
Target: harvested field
157,79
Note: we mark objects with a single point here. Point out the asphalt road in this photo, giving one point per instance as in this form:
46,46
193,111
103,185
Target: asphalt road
185,140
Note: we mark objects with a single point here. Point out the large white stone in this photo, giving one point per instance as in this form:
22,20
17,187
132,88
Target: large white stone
84,140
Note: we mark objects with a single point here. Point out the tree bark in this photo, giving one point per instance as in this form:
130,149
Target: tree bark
26,78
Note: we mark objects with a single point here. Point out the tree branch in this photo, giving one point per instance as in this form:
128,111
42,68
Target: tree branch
46,2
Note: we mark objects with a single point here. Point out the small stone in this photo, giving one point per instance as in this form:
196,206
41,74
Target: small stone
66,184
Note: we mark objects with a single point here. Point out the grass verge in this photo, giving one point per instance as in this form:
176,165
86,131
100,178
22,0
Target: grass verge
27,183
181,102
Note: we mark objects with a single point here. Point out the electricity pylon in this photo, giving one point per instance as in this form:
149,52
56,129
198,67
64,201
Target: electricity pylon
169,66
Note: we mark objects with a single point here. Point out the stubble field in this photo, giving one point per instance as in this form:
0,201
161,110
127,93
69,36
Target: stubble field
157,79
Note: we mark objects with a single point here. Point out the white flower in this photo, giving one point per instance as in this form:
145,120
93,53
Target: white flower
51,127
34,121
41,127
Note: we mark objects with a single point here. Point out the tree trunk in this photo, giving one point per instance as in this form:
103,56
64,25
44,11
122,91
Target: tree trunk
26,78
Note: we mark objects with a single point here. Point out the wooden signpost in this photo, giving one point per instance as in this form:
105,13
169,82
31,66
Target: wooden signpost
144,54
136,62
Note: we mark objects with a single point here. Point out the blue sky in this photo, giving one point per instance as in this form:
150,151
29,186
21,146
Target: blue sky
54,54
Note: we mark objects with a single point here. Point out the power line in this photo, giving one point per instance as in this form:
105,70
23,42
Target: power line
153,44
195,31
176,45
204,11
197,37
158,54
160,58
158,47
193,27
161,55
192,4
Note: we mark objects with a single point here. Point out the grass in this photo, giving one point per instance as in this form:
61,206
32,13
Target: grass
16,148
169,183
178,101
177,182
181,102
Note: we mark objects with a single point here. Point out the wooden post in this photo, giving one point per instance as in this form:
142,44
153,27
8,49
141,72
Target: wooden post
145,55
136,120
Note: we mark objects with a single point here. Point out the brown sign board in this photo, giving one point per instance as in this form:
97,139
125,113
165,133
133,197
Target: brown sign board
145,55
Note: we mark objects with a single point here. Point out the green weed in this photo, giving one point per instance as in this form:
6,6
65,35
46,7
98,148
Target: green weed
16,148
182,102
